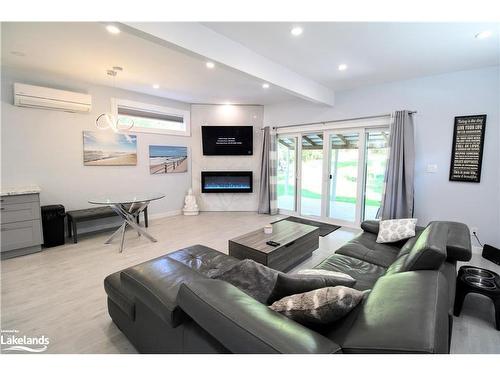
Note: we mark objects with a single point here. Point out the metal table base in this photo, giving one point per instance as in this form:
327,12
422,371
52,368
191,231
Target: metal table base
129,219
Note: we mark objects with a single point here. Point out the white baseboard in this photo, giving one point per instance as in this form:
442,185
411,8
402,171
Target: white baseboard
477,249
165,214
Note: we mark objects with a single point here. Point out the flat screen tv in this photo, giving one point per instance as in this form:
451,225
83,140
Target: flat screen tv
227,140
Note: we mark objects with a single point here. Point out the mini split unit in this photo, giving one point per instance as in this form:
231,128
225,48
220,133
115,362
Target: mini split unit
47,98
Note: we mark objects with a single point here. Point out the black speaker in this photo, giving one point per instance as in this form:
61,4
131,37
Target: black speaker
491,253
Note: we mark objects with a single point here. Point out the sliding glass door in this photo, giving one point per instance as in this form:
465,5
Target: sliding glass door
344,165
377,152
334,175
286,173
311,172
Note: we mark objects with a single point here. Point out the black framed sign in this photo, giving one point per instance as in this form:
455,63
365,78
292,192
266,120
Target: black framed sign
467,151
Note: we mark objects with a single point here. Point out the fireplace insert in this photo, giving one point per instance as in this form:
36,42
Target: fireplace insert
226,182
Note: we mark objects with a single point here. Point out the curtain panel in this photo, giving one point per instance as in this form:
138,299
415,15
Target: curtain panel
398,197
268,180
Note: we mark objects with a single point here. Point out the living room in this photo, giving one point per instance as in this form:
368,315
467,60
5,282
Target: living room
284,187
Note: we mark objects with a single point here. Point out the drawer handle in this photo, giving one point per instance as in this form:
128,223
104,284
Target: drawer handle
2,208
289,244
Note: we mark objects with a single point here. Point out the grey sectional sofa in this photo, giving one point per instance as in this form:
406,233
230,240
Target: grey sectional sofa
172,304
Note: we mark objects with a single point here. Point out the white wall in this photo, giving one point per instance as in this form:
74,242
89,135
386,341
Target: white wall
226,115
44,148
438,99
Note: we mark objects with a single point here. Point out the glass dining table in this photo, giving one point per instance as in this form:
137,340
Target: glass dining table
128,207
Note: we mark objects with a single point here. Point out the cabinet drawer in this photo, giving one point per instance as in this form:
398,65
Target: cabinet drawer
14,199
11,213
22,234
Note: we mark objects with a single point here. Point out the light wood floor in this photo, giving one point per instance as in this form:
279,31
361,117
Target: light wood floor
59,292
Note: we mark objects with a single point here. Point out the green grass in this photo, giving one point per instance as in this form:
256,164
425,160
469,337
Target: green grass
312,195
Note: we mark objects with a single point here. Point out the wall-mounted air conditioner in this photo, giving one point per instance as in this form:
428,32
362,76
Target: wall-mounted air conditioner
47,98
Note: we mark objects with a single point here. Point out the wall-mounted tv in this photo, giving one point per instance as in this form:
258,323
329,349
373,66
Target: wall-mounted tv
227,140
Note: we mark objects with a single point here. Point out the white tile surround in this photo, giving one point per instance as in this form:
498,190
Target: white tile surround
224,115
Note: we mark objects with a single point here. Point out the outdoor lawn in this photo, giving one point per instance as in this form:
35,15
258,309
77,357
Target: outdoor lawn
343,192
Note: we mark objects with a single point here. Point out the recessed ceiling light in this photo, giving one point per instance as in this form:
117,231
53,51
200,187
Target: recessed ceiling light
112,29
210,65
156,86
296,31
342,67
483,34
265,85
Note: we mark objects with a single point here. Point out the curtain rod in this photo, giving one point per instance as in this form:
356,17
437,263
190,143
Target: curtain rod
333,121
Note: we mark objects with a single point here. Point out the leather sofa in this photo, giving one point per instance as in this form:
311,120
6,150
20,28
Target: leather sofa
172,304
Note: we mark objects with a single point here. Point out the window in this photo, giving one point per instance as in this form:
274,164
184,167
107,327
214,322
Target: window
149,118
336,174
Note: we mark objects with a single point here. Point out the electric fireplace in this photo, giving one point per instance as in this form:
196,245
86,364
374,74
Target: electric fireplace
226,182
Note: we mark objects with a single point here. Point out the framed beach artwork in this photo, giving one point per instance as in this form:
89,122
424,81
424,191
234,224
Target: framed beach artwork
109,148
167,159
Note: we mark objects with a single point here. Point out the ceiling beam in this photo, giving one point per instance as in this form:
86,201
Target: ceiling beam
342,138
203,41
285,144
309,140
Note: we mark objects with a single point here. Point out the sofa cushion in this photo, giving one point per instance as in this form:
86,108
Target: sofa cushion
365,273
156,283
204,260
320,306
286,285
429,250
396,230
364,247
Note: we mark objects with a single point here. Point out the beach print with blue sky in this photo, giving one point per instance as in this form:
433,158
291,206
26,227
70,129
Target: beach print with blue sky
167,159
109,148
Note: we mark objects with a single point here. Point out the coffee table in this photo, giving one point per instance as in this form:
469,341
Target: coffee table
297,242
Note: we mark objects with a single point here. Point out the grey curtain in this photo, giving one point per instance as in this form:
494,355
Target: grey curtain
397,200
267,188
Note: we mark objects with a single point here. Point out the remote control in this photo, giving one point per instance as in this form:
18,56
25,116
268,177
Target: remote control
273,243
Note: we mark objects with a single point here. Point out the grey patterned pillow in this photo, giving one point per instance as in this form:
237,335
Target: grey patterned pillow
322,306
396,230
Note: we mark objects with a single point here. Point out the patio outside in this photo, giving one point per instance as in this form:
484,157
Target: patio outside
343,185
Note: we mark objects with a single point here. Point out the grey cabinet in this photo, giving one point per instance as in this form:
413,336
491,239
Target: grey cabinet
21,229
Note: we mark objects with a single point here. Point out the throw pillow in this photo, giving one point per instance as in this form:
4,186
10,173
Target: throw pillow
251,277
320,306
286,285
396,230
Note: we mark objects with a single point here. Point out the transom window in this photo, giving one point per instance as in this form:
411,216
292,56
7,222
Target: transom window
148,118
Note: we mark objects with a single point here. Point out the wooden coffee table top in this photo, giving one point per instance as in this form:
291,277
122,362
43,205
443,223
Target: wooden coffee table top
284,232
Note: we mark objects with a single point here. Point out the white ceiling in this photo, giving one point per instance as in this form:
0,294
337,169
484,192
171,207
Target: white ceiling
374,52
84,51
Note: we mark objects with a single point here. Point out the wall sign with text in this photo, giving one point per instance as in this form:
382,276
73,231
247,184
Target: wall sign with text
467,151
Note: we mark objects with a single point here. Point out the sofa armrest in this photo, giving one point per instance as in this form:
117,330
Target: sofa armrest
371,226
243,325
405,312
458,246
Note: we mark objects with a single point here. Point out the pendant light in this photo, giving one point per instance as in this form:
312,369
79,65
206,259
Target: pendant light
107,121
